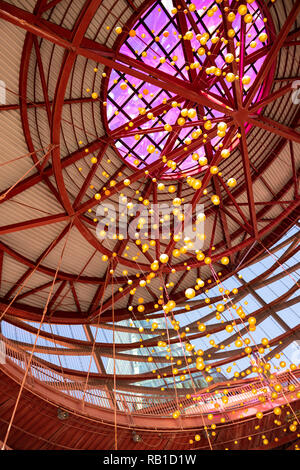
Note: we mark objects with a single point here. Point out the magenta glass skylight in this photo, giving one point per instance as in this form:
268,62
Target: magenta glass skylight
123,104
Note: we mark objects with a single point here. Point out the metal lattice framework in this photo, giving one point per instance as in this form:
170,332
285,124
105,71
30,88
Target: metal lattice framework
55,344
64,52
230,232
44,430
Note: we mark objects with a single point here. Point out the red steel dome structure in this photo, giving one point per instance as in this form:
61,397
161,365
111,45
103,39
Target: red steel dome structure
149,231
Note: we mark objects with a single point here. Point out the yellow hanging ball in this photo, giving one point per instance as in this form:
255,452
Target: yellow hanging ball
176,201
263,37
200,256
248,18
230,77
242,10
164,258
215,200
214,170
151,148
231,17
222,126
229,58
231,182
192,113
155,265
190,293
225,153
246,80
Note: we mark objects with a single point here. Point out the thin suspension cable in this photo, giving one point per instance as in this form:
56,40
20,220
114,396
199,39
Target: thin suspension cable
36,339
114,362
50,147
31,274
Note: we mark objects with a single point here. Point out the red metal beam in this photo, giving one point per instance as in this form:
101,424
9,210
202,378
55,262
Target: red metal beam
55,297
236,204
236,89
248,178
295,178
49,171
271,57
141,71
83,20
274,127
30,291
270,98
206,179
28,224
41,104
91,174
28,272
49,5
42,77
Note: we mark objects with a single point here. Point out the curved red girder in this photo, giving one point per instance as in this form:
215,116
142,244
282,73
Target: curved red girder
237,114
75,43
41,429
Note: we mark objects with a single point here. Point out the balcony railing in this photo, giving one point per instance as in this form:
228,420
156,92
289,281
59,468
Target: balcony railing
203,403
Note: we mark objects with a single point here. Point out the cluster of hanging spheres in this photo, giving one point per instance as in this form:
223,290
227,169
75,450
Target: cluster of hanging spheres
156,107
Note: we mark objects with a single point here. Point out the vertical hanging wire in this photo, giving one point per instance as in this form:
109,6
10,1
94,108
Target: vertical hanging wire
113,324
35,342
31,274
45,156
263,360
114,361
280,264
95,336
191,377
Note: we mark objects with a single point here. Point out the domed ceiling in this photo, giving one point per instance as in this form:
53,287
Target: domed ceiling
149,184
143,102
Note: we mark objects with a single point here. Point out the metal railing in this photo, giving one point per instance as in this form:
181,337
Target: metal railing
146,404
